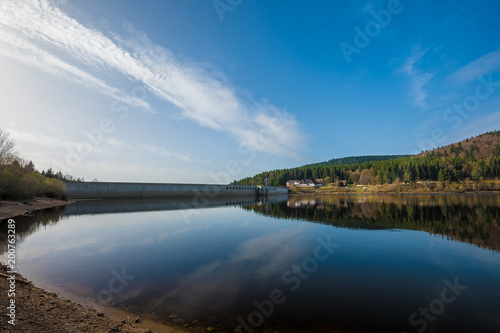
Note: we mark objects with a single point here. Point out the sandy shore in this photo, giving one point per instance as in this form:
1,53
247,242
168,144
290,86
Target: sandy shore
9,209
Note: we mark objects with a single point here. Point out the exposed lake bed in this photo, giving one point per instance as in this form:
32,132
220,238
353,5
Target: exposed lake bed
303,263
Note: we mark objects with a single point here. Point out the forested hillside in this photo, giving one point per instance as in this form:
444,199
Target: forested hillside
356,160
474,159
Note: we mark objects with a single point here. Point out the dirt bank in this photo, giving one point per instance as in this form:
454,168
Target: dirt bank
9,209
39,311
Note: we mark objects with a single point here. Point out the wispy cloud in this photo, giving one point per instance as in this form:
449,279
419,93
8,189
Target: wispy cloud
39,33
483,65
418,79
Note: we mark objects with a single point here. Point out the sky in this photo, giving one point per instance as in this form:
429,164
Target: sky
210,91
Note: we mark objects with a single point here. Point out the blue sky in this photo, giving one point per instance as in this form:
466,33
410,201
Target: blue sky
212,91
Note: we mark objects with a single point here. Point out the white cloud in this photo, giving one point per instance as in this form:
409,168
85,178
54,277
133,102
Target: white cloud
418,79
20,42
37,33
484,65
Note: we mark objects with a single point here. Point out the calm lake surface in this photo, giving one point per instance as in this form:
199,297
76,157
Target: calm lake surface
377,263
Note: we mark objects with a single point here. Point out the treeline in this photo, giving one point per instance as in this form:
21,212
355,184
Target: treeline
18,177
472,160
356,160
59,176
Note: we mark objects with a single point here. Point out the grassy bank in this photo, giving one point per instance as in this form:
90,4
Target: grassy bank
419,187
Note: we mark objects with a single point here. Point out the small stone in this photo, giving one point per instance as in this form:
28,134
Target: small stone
210,329
173,316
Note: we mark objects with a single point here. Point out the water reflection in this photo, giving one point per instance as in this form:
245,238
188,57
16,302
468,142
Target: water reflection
158,204
473,219
210,264
28,225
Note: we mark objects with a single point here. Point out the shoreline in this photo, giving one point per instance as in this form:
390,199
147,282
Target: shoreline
10,209
486,187
41,310
390,193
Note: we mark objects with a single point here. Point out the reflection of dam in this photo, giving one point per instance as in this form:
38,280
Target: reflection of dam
101,190
156,204
27,225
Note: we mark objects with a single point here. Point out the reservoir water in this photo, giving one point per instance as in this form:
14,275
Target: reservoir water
336,263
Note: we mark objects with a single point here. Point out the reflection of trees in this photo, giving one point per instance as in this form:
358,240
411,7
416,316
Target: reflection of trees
473,219
27,225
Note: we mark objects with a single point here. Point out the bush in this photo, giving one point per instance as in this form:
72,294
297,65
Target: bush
53,188
17,182
18,178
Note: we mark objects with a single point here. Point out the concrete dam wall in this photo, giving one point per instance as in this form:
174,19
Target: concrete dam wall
110,190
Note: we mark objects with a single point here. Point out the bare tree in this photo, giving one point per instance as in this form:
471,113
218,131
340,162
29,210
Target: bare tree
365,177
7,152
355,176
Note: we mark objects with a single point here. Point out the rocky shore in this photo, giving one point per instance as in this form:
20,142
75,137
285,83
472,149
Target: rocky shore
36,310
9,209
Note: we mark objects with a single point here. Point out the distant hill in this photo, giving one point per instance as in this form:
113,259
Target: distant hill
356,160
475,159
482,146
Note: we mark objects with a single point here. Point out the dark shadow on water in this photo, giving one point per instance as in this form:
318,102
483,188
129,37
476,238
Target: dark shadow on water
29,224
